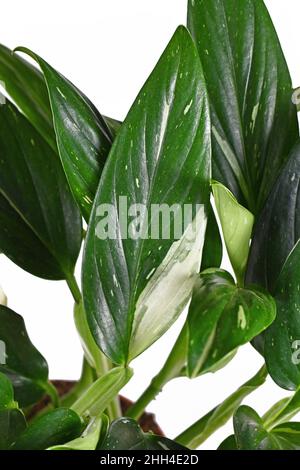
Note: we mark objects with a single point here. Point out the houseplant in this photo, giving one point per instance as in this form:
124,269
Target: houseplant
213,132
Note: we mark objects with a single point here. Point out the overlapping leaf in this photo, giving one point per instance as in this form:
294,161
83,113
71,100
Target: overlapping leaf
222,317
83,136
254,122
126,434
135,287
24,365
40,225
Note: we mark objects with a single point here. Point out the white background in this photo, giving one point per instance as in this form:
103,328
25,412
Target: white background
108,48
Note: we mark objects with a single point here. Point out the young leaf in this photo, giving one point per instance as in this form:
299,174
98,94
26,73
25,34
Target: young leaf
250,433
90,437
135,286
100,394
83,136
12,424
196,434
40,226
6,394
213,248
282,411
254,122
26,86
126,434
237,223
278,228
25,366
222,317
282,338
54,428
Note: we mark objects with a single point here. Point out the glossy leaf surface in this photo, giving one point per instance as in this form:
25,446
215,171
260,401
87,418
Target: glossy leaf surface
40,225
25,366
161,156
83,136
223,317
254,122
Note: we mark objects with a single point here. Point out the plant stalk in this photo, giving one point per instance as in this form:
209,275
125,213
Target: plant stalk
171,369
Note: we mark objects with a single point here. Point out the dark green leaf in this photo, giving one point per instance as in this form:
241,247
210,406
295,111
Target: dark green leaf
254,122
213,248
25,366
278,227
6,393
54,428
250,433
83,137
228,444
126,434
282,338
12,424
161,156
202,429
26,86
40,226
222,317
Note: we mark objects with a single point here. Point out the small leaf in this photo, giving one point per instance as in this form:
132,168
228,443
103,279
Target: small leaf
163,154
282,338
250,433
237,223
222,317
213,247
6,393
254,122
25,366
126,434
12,424
83,136
40,226
54,428
100,394
228,444
89,439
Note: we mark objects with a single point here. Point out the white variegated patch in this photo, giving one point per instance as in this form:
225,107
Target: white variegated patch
170,287
3,298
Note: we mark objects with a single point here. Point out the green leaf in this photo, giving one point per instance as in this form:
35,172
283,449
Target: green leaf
126,434
278,228
213,248
282,338
40,226
26,86
222,317
228,444
254,122
12,424
250,433
237,223
83,136
100,394
90,437
54,428
202,429
6,393
284,410
136,287
25,366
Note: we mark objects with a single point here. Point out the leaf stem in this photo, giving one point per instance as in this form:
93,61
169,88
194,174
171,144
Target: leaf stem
171,369
52,392
73,286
